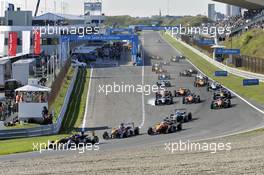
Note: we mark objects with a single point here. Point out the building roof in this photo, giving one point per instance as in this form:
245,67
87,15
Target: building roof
247,4
58,16
33,88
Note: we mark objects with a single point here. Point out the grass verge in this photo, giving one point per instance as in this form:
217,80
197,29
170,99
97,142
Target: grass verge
58,102
12,146
76,108
254,93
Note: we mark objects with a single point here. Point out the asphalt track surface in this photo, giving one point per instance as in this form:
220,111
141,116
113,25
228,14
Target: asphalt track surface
112,109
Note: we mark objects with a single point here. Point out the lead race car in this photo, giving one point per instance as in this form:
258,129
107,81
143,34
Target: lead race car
123,131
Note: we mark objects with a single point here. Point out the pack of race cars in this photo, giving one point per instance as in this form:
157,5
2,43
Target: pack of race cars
221,98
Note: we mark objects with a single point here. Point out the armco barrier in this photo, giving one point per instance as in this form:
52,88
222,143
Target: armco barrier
45,129
237,72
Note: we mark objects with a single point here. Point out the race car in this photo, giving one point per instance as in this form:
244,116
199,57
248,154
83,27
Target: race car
221,103
191,98
163,93
123,131
175,59
181,116
222,93
185,73
181,92
156,67
165,63
192,71
164,76
165,127
214,86
200,81
164,83
156,57
161,70
74,140
166,100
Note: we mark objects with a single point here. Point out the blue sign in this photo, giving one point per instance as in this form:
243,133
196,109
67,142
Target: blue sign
206,42
155,28
227,51
250,82
119,30
221,73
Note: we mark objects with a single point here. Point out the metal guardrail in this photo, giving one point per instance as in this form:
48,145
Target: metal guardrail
235,71
45,129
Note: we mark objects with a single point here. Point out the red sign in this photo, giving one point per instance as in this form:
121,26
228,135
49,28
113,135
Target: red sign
37,49
12,43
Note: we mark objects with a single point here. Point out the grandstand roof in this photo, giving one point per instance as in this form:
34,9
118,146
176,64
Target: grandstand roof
247,4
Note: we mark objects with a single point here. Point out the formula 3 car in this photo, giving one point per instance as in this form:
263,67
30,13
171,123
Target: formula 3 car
222,93
123,131
164,100
200,81
165,127
181,92
214,86
74,140
164,76
164,83
191,98
156,67
181,115
175,59
185,73
156,57
221,103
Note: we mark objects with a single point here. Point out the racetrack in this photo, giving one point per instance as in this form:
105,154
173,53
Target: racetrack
112,109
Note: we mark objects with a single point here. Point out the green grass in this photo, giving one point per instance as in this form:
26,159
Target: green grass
76,108
58,102
72,119
12,146
254,93
251,43
24,126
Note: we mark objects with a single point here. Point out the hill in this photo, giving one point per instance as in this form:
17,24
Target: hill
251,43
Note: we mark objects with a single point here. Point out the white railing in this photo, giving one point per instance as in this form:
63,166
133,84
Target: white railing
235,71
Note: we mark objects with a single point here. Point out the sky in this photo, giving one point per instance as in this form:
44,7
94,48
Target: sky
125,7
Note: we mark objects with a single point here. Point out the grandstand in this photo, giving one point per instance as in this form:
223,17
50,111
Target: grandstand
247,4
252,18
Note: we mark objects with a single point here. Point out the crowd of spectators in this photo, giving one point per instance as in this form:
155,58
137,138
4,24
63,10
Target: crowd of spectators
7,109
247,17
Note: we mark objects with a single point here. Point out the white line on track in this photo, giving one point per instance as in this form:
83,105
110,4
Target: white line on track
142,82
87,99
